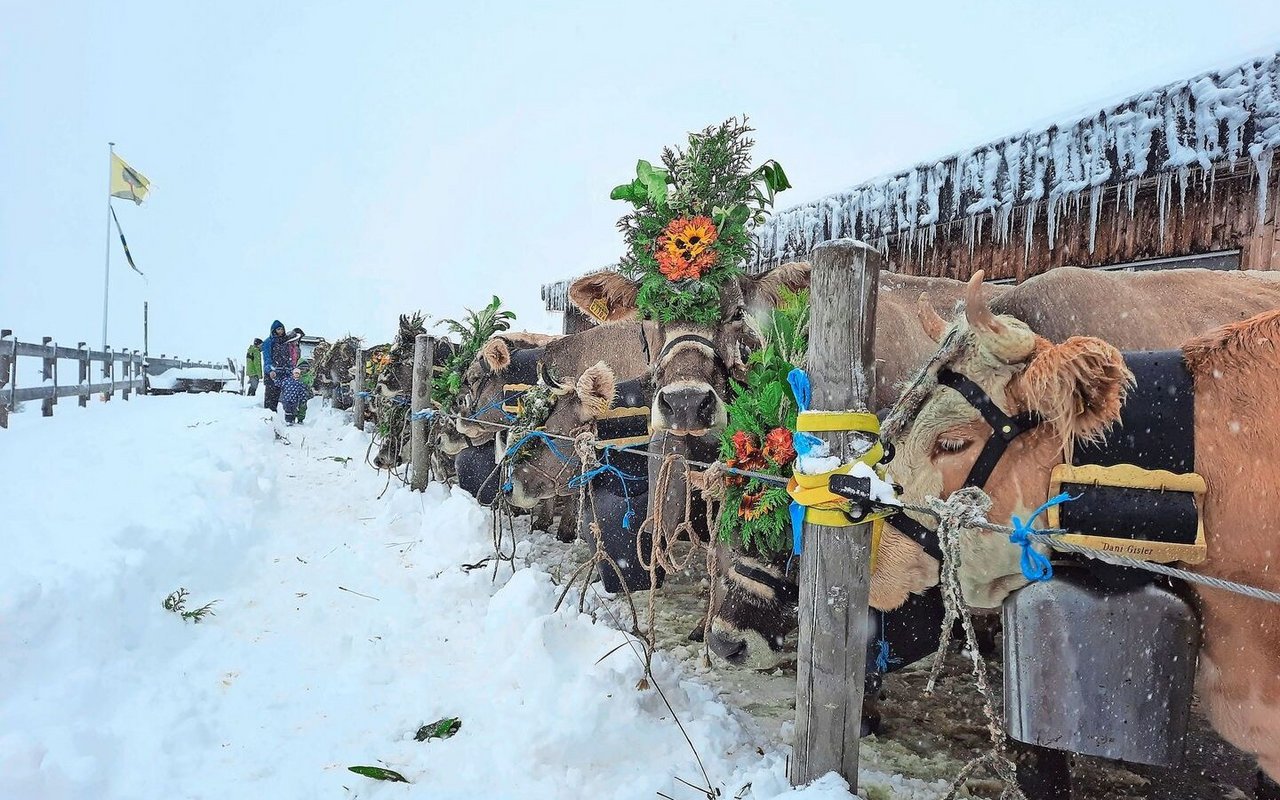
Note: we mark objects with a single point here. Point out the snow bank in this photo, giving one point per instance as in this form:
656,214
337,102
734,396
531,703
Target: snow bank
344,622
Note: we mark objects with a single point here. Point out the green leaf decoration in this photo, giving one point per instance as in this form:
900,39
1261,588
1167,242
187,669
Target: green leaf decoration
654,182
380,774
473,331
440,729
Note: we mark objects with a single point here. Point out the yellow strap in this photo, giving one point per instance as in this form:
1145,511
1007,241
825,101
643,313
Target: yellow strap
817,421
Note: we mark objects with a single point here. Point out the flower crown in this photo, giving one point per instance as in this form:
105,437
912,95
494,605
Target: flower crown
690,230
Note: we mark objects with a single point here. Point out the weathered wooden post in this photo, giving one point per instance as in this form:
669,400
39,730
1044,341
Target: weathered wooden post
49,373
8,372
83,372
357,389
835,565
109,371
126,373
423,370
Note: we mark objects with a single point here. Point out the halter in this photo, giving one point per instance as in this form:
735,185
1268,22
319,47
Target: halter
1004,429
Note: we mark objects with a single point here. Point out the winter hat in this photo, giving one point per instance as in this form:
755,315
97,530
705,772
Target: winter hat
256,340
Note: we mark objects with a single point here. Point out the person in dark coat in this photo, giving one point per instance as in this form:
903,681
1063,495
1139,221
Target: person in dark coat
277,363
294,395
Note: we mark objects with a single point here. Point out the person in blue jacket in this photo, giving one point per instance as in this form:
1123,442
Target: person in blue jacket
277,363
294,395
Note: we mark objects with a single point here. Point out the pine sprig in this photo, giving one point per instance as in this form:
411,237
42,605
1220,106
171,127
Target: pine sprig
177,603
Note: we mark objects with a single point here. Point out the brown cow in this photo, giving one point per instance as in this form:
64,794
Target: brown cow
1079,387
692,364
1143,310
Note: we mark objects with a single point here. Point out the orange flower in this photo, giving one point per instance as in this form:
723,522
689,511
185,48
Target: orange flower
684,248
730,478
778,447
746,451
752,506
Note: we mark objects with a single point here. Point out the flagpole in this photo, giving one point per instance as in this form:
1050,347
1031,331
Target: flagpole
106,280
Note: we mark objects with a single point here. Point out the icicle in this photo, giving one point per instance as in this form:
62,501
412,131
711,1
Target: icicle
1164,186
1263,162
1095,201
1029,221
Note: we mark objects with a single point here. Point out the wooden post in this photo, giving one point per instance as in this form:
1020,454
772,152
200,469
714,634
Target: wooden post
49,372
357,389
108,371
8,372
419,454
83,372
126,373
834,566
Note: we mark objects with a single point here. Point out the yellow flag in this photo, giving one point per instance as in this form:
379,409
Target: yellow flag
127,182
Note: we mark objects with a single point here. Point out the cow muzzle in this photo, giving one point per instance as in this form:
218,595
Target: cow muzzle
688,408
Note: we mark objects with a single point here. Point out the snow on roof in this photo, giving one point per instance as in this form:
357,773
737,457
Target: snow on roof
1217,118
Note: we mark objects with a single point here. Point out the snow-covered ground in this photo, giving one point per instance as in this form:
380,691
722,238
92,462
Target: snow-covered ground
343,623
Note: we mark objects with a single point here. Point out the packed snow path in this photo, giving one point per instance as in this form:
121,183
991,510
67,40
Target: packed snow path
344,622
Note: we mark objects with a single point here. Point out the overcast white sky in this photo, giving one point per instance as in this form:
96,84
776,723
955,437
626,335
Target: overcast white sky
333,164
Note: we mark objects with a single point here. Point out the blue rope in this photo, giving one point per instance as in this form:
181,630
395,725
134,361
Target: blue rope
507,415
606,466
426,413
364,395
797,527
1035,565
515,448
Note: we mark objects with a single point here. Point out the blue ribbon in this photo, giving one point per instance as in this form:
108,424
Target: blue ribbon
798,379
797,527
364,395
578,481
515,448
1035,565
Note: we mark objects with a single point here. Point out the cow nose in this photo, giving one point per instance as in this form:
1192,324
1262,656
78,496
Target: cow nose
687,408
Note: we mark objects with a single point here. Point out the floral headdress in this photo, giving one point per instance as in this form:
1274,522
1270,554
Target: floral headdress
690,230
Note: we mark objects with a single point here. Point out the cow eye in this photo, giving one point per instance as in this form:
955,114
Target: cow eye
951,445
739,314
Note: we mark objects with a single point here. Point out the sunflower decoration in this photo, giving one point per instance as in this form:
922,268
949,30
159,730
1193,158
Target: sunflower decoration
689,232
758,438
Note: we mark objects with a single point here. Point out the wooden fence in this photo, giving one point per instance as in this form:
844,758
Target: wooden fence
123,371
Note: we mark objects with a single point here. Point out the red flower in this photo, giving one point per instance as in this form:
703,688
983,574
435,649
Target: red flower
746,450
779,448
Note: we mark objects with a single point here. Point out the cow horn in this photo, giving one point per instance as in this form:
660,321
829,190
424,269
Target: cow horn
975,307
933,323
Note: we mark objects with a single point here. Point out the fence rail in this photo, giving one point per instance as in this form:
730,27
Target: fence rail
123,371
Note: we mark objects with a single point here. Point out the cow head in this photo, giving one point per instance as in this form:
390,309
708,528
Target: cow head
1077,388
480,399
540,472
691,365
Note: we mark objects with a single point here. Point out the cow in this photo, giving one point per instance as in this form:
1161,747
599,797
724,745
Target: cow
1143,310
1078,388
692,365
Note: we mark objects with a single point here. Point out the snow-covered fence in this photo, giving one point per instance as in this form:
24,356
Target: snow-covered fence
123,371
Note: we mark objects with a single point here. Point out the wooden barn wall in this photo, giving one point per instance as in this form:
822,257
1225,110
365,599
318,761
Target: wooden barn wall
1220,216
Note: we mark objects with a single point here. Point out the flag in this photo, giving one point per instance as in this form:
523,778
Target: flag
127,255
127,182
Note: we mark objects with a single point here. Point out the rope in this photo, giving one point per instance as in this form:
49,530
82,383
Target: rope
1047,536
418,416
605,467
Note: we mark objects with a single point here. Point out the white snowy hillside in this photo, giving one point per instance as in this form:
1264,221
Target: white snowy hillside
342,623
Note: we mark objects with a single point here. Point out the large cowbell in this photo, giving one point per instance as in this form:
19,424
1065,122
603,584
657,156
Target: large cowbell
478,472
1099,671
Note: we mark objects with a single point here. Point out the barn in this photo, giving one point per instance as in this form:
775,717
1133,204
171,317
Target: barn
1178,176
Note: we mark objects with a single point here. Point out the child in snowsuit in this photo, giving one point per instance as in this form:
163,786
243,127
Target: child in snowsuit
293,394
253,366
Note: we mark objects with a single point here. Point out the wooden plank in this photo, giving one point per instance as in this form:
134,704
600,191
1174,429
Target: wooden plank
834,567
420,399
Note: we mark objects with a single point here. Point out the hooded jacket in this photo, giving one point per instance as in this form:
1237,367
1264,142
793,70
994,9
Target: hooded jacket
253,361
275,352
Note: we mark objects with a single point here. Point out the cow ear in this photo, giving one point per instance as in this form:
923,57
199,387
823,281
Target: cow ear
1078,386
595,389
764,292
496,354
605,296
